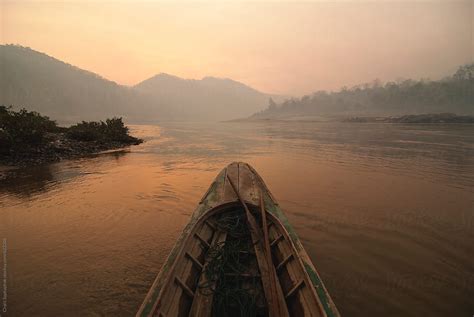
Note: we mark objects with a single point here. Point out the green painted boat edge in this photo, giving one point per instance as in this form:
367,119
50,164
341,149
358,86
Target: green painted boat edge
205,205
272,206
211,200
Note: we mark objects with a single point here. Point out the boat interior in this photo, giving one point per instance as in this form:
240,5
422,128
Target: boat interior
217,273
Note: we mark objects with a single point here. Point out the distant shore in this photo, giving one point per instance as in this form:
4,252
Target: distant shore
432,118
420,118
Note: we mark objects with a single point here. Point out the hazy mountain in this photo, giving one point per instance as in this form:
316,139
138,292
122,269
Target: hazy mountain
39,82
454,94
64,92
207,99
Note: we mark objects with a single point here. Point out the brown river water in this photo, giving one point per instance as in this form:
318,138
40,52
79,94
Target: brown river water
384,211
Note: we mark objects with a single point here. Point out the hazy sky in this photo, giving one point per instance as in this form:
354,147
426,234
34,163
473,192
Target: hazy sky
279,47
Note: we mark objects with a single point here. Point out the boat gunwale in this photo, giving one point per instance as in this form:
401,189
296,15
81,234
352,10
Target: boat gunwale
175,254
328,305
203,211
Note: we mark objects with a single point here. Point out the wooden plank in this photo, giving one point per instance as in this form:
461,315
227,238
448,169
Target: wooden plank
247,185
185,287
202,304
171,297
253,227
203,241
276,240
276,305
284,262
309,302
276,290
295,288
213,226
232,172
194,260
325,304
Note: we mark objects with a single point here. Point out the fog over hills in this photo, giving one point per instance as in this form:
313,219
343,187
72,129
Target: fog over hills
452,94
208,98
64,92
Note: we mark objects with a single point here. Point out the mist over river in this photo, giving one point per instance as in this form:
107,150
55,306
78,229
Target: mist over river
385,212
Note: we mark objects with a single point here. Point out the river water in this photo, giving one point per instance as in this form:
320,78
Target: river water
384,211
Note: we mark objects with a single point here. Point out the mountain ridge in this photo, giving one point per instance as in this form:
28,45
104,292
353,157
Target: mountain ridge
209,97
40,82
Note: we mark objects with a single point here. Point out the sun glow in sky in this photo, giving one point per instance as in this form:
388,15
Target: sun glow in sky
283,47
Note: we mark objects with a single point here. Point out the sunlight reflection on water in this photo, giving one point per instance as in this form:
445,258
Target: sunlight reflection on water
385,212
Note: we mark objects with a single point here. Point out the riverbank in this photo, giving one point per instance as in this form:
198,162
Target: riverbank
436,118
419,118
28,138
59,147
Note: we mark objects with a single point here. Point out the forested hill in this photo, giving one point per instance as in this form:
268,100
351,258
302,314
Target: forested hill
454,94
42,83
209,98
67,93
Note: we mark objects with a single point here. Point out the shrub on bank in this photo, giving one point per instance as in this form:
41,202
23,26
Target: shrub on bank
21,130
85,131
110,130
23,127
5,142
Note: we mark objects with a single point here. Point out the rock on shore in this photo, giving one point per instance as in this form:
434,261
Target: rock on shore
57,147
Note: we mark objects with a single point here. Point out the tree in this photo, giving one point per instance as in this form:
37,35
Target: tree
465,72
271,104
24,127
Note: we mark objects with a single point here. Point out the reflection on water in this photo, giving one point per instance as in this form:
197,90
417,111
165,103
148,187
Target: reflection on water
28,182
385,212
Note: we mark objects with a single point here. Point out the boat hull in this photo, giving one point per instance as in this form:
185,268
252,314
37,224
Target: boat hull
305,293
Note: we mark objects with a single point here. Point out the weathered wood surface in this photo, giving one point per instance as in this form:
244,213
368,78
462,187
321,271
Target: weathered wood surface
202,304
275,300
298,278
271,206
281,308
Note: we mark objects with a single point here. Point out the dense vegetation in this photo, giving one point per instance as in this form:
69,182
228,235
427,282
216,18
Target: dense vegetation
26,134
453,94
110,130
23,127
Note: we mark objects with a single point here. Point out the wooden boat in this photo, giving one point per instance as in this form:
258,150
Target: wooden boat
238,256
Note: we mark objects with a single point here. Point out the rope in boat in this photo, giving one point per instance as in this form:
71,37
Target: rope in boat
227,261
